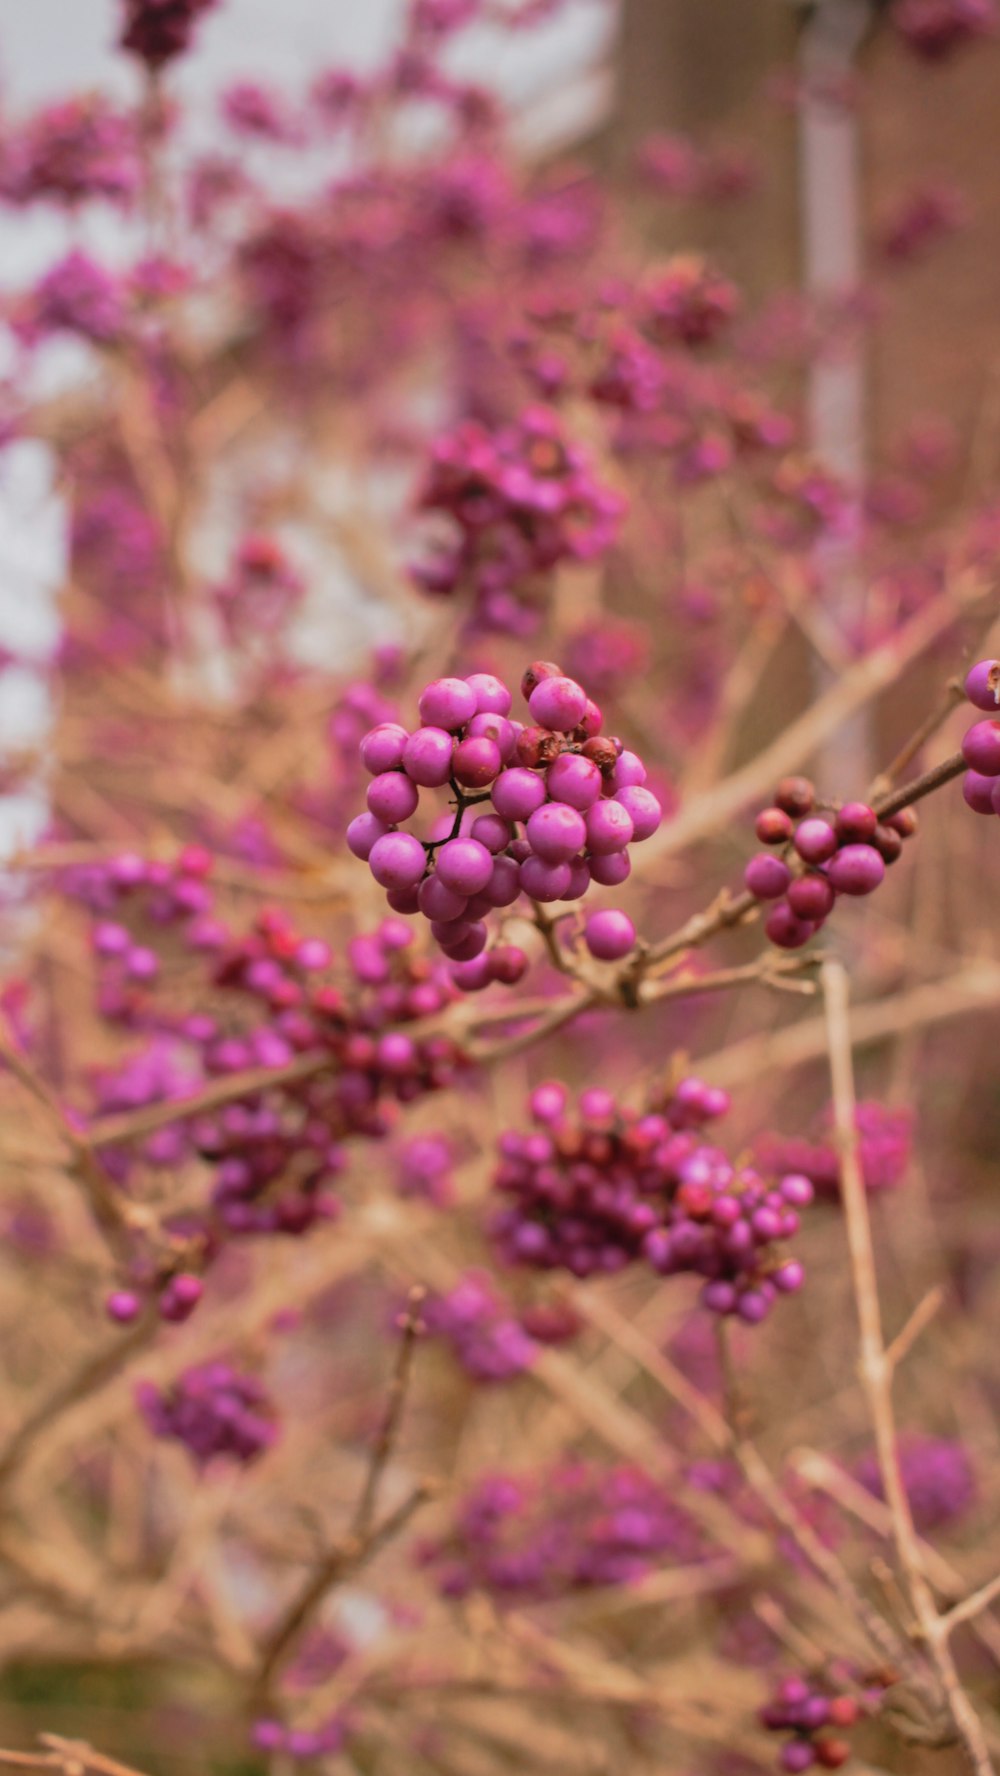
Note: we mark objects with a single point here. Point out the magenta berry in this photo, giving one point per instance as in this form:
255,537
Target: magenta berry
785,929
427,757
558,703
773,826
476,762
981,748
397,860
573,779
643,809
810,897
978,792
982,685
556,832
856,869
855,821
766,876
609,827
447,703
464,865
491,694
382,748
392,797
815,840
609,935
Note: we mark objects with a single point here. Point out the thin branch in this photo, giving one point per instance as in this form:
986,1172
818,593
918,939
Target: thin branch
876,1373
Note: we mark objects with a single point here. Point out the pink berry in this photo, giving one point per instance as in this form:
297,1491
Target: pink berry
439,903
856,869
427,757
810,897
392,797
382,748
574,779
122,1307
643,809
612,870
773,826
978,792
629,770
474,975
855,820
447,703
509,964
517,793
981,748
785,930
815,840
982,685
496,728
491,831
476,762
558,703
504,885
397,860
467,947
464,865
609,935
609,827
766,876
491,694
544,881
556,832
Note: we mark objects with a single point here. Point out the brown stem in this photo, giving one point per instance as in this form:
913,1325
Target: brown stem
876,1375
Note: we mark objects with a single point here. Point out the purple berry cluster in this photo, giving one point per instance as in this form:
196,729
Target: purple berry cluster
595,1189
885,1142
565,802
301,1743
524,498
482,1334
267,999
817,854
809,1707
935,29
688,302
214,1410
159,30
566,1530
938,1477
981,742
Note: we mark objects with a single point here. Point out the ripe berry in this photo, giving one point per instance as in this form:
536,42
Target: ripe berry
785,929
981,748
534,674
773,826
476,762
609,827
397,860
815,840
855,820
856,869
982,685
447,703
427,757
766,876
558,703
609,935
464,865
811,897
795,795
